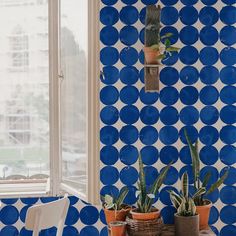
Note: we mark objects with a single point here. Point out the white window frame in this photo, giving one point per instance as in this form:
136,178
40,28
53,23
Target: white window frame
54,186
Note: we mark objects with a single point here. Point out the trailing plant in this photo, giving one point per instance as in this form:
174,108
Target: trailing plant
202,188
165,48
146,196
153,38
182,201
115,203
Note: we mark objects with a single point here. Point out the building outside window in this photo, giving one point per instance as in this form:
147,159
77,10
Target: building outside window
46,131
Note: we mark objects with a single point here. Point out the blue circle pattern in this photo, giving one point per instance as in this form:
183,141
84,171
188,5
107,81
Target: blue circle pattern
188,15
189,75
189,35
209,56
208,16
128,113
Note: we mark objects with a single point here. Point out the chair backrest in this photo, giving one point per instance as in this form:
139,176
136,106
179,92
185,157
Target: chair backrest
45,216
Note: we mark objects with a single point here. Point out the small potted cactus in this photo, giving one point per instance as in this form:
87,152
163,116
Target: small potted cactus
145,209
186,218
157,47
114,207
202,188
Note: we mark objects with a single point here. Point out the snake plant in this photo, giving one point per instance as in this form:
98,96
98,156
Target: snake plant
182,201
115,203
146,195
202,188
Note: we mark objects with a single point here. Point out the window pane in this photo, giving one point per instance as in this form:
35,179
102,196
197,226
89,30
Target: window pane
73,92
24,83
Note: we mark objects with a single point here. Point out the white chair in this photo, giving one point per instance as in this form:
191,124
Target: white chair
45,216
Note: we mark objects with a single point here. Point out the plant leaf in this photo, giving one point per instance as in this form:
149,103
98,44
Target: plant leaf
175,198
157,184
167,35
119,201
206,179
142,182
194,157
192,207
218,183
185,184
137,193
199,192
155,47
150,195
172,49
167,43
161,56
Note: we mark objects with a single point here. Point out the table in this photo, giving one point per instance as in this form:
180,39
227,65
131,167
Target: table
169,230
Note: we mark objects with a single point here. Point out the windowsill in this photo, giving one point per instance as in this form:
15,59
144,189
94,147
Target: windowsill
24,188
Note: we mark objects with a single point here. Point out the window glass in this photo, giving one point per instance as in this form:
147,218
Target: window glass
24,83
74,40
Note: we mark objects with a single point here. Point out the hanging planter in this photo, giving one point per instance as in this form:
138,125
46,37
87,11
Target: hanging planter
157,48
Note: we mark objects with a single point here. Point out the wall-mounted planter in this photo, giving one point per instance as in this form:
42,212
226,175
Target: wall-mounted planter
156,48
152,37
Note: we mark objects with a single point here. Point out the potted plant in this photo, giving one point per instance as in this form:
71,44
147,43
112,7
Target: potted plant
202,188
118,228
156,47
145,209
114,207
186,218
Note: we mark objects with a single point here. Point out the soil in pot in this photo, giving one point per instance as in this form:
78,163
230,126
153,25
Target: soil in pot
113,215
151,55
154,214
186,225
118,228
204,213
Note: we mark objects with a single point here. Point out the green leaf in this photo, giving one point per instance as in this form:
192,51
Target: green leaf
157,184
155,47
120,200
142,182
175,198
182,208
172,49
218,183
195,158
206,179
192,207
167,35
151,196
161,56
199,192
185,184
108,202
167,43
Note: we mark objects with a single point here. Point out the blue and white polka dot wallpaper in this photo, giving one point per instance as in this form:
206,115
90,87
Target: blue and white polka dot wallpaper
197,92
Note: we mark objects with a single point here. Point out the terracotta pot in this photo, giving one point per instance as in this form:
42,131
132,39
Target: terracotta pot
118,228
154,214
186,225
151,55
204,213
112,215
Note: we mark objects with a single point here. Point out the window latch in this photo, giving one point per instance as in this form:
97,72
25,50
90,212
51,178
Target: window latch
61,76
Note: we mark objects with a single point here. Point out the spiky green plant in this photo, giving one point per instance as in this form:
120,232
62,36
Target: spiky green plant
201,187
115,203
182,201
145,196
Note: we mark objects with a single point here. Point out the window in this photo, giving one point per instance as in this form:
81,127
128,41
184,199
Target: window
49,122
